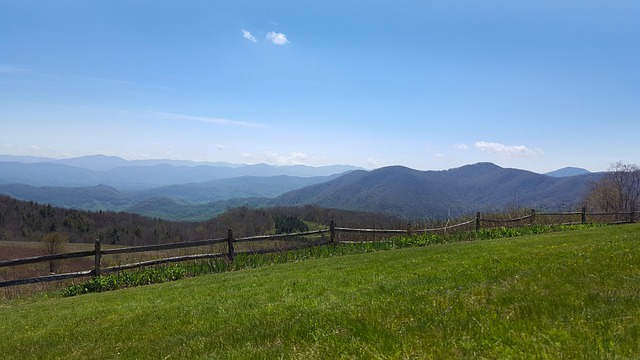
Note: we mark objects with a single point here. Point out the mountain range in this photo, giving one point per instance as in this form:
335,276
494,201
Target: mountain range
139,174
182,190
417,194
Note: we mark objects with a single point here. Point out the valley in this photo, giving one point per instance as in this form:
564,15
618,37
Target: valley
188,191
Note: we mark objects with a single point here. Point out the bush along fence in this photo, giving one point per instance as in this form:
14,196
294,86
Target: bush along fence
319,238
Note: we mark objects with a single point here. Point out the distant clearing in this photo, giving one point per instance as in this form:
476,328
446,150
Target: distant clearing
561,295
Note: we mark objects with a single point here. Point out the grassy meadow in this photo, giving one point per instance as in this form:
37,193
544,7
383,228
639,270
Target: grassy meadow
573,294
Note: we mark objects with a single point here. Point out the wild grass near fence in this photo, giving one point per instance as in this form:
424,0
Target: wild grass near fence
573,294
159,274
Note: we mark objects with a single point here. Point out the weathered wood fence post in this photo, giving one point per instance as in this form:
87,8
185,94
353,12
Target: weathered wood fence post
532,219
584,215
332,230
232,253
98,257
478,221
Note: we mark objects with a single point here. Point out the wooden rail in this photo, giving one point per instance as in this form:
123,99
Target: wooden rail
98,252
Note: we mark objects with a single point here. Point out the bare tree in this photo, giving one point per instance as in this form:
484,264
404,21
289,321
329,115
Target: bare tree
55,243
617,191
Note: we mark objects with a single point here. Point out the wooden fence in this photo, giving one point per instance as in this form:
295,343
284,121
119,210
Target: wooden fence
231,242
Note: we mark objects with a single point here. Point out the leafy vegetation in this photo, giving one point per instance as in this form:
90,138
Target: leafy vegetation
148,276
554,295
161,274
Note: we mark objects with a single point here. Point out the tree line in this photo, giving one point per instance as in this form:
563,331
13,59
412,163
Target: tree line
30,221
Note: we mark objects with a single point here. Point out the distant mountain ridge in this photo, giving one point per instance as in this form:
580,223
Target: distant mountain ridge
568,171
414,194
139,174
196,201
196,191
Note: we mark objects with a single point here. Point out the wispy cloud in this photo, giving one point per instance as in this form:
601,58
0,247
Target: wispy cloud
209,120
277,38
8,69
507,150
105,80
461,146
247,35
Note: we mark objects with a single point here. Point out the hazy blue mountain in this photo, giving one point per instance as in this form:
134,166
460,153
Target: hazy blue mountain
25,159
171,209
239,187
50,174
94,162
106,163
139,174
175,202
188,190
568,171
417,194
99,197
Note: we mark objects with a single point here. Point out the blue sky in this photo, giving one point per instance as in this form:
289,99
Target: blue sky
535,85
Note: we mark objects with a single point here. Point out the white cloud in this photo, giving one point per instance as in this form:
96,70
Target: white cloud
247,35
277,38
221,147
295,158
274,158
373,163
461,146
507,150
210,120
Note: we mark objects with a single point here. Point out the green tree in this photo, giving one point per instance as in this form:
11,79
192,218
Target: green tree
289,224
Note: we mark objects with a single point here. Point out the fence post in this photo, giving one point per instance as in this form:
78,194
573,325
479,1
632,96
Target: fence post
332,229
98,256
409,230
532,220
478,221
632,215
232,253
584,215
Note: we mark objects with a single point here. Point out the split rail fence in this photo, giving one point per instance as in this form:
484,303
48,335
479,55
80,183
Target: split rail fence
98,252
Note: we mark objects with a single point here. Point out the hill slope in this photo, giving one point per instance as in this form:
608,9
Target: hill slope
560,295
417,194
182,202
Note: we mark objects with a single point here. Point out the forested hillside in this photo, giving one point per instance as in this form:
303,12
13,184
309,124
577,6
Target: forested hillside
397,191
30,221
181,202
414,194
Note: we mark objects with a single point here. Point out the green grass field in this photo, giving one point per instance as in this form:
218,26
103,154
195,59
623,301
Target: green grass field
573,294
